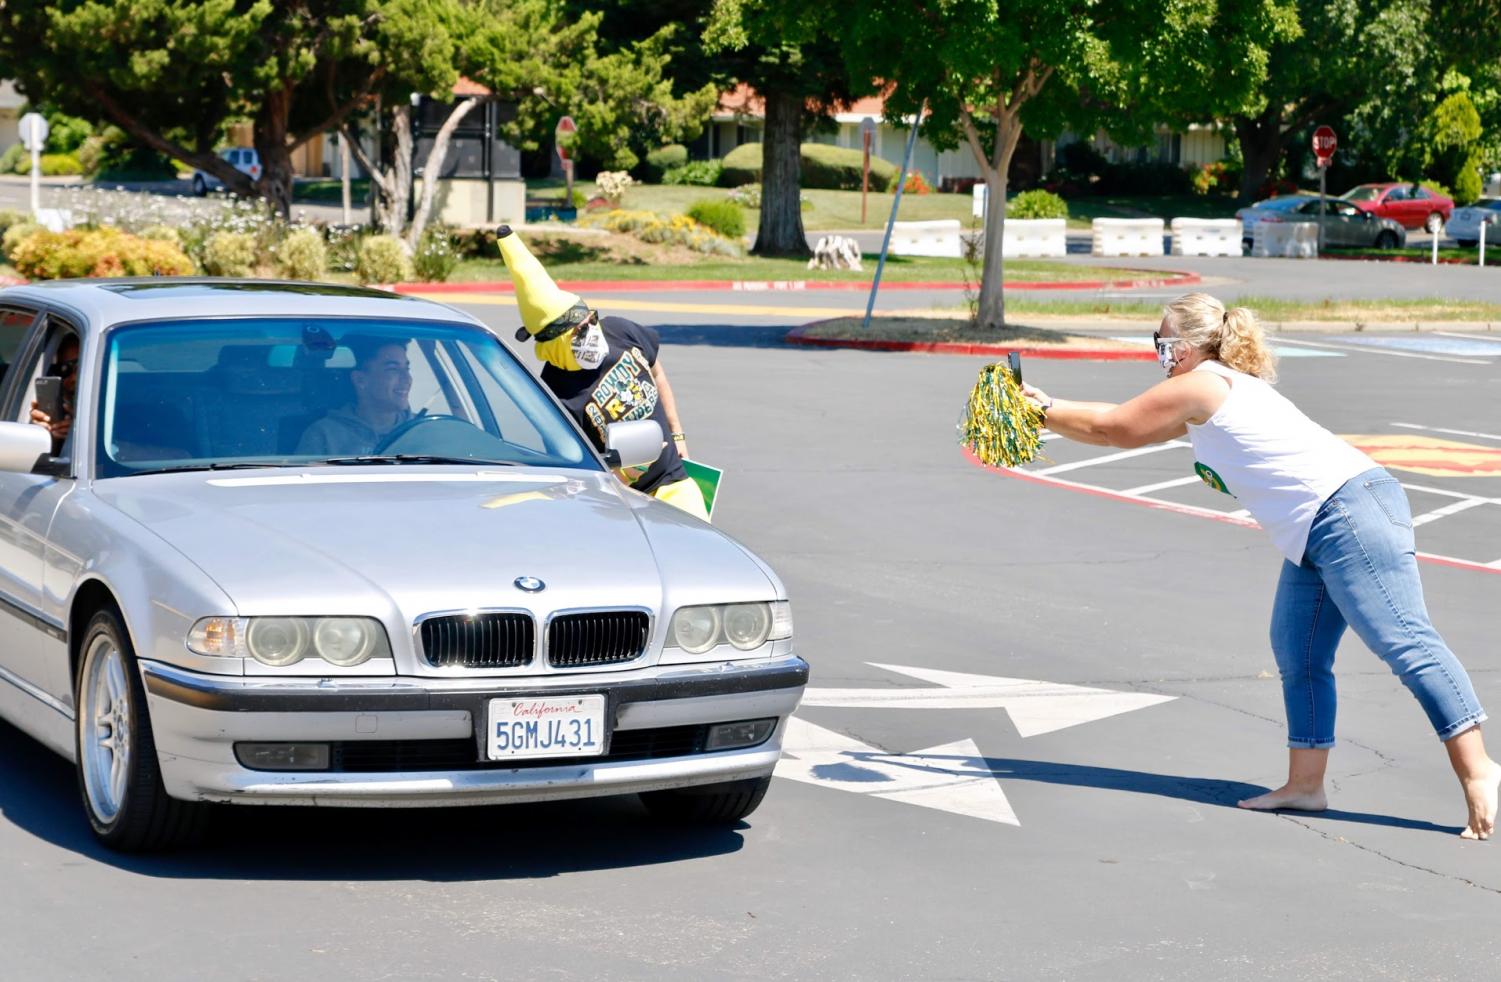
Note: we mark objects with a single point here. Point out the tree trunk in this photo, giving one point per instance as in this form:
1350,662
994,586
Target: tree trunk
433,167
781,230
401,169
275,183
1260,149
991,312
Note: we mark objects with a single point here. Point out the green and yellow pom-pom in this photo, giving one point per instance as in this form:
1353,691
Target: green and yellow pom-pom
999,426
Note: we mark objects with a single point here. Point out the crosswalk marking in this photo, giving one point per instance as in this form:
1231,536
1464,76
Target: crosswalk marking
1123,455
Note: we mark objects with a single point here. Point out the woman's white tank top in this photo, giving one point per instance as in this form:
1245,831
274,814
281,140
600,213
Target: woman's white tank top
1279,464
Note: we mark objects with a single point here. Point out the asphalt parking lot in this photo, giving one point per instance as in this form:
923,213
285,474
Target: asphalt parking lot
1034,703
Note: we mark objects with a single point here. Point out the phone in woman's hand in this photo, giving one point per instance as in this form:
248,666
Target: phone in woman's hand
49,397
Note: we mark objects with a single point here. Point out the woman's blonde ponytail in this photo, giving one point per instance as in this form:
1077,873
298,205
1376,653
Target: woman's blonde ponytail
1233,337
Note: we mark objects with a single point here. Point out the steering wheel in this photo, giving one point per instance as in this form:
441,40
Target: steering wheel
402,429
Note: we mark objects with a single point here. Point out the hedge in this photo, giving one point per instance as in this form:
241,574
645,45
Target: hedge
97,252
823,166
661,160
724,217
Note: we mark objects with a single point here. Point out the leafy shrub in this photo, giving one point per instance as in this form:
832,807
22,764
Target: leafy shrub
67,133
16,234
678,230
661,160
1467,185
97,252
229,254
383,259
11,158
1149,178
747,196
1436,188
53,164
701,173
302,254
917,184
1081,158
344,247
162,233
823,166
9,217
436,256
1037,204
613,185
724,217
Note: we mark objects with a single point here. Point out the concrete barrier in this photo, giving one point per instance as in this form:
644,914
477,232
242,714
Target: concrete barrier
1288,240
1206,237
1034,238
1127,237
940,238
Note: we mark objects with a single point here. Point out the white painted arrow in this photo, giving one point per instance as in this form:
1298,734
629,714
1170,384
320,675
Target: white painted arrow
1034,707
953,777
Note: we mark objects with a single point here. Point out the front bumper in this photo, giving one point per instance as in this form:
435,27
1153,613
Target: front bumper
197,719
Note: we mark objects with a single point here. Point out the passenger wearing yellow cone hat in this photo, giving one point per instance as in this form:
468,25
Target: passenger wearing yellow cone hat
604,370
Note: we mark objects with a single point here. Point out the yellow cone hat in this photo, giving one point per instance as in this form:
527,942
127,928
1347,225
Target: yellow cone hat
540,300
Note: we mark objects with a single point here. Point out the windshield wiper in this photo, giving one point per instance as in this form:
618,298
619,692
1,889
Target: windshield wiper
417,458
220,465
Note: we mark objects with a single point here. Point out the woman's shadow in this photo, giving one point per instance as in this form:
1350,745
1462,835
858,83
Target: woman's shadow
39,793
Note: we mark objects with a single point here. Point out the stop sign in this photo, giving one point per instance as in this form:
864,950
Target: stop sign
1324,143
566,127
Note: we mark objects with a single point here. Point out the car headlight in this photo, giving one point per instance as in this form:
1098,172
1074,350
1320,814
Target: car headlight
282,641
745,626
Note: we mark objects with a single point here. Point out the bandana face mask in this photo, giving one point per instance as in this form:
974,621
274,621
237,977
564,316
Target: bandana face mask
589,344
1167,351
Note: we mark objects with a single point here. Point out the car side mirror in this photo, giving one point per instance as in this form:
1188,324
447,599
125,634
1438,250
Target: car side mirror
25,448
636,443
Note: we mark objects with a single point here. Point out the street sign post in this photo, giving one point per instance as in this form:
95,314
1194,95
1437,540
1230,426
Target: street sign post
566,128
1324,145
867,130
34,130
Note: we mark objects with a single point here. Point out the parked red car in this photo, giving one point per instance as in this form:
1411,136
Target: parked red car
1411,205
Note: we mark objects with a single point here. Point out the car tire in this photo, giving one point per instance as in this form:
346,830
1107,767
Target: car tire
119,776
707,804
200,186
1434,224
1387,239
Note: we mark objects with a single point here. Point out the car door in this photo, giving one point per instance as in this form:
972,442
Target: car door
1393,205
32,641
1347,225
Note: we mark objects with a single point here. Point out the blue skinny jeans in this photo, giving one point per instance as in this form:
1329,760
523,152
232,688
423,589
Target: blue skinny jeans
1360,569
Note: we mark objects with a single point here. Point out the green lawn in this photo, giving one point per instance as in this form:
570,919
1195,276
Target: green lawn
1082,211
1468,256
898,269
1273,310
330,191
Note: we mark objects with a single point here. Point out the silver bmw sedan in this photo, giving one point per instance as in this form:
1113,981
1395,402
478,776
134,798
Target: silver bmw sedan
294,543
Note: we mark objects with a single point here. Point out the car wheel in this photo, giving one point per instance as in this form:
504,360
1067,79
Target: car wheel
118,771
200,186
707,804
1386,240
1435,223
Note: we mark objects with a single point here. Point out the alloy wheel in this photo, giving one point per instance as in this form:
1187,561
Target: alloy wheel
105,728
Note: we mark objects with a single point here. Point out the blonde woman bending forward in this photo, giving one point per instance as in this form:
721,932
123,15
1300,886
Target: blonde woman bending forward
1342,523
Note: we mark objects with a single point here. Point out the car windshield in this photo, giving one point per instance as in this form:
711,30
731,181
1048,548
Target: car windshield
202,394
1282,204
1493,204
1362,194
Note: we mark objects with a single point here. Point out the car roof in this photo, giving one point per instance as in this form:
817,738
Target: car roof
101,303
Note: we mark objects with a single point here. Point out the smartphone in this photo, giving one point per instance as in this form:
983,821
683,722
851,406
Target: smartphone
1016,365
49,396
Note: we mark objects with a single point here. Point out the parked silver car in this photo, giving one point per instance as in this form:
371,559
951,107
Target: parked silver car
1465,224
465,608
1345,226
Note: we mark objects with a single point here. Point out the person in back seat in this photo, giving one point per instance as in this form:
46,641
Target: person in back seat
382,380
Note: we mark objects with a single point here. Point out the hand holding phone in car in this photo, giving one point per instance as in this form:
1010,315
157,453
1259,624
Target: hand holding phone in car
48,410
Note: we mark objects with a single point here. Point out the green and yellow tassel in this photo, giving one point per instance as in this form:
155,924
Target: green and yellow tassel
999,426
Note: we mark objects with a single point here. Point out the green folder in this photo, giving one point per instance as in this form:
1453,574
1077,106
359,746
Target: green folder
707,479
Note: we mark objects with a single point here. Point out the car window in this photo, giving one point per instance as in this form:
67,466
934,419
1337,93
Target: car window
49,359
14,324
1397,194
1344,208
300,391
1422,194
1494,204
1363,194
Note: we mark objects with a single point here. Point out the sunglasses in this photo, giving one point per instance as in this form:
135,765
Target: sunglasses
1162,343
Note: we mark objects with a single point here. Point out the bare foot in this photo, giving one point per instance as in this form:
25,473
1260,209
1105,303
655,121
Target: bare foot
1303,801
1480,795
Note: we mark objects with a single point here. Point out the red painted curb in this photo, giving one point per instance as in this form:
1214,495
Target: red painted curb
795,336
1400,259
772,286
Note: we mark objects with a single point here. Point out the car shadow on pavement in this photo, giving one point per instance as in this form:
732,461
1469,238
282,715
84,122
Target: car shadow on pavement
39,795
1199,790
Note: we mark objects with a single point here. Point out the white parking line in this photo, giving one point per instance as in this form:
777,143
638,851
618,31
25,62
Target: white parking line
1123,455
1447,493
1161,485
1464,504
1469,337
1439,429
1382,351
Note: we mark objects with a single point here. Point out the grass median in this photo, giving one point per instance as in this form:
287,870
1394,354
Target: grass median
1272,310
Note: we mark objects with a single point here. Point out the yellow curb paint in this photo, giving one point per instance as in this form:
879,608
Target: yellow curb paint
664,306
1430,455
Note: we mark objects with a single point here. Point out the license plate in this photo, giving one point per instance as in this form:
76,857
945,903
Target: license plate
557,726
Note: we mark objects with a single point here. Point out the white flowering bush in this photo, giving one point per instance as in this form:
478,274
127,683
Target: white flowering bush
613,184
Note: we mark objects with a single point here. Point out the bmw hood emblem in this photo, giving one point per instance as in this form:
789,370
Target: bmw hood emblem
530,584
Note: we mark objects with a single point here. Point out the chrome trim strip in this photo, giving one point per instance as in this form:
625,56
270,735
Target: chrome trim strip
33,617
35,693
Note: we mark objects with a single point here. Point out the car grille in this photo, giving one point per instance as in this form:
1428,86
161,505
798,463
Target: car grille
462,754
496,640
601,637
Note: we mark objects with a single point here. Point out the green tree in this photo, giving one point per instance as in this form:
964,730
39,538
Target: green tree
1452,138
173,74
987,72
